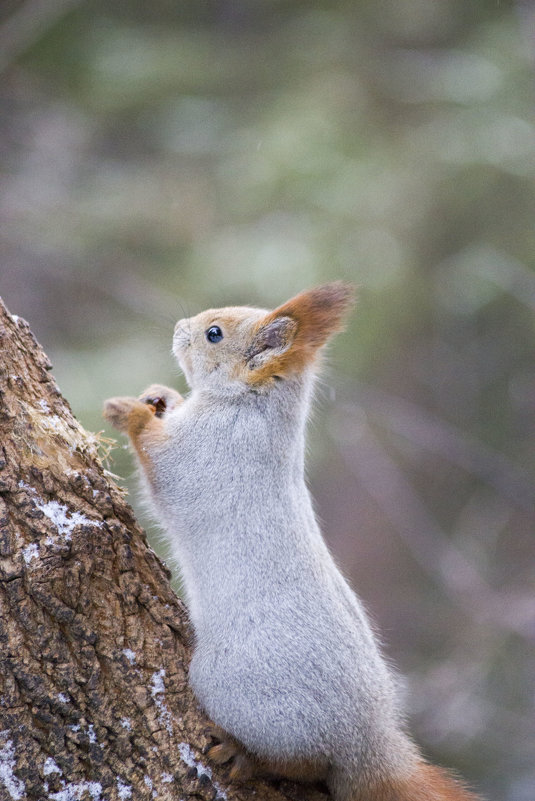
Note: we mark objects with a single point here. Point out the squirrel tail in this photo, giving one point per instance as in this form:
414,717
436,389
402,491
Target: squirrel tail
425,783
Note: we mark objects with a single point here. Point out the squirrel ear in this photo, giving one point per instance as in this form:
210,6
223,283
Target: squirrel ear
288,338
271,340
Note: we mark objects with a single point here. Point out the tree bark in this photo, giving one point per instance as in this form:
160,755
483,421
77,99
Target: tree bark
94,644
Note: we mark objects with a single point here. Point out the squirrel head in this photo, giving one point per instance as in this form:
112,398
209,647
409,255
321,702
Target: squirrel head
251,349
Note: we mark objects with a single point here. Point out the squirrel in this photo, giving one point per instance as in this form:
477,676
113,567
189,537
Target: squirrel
285,661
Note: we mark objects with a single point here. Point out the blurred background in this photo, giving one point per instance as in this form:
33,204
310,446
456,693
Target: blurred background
161,158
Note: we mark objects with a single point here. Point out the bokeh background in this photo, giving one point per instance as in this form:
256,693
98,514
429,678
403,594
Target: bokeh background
160,158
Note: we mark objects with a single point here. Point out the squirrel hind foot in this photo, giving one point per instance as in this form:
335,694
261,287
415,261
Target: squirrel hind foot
243,768
245,765
227,749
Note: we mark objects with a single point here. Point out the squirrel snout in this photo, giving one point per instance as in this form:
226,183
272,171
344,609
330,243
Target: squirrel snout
181,333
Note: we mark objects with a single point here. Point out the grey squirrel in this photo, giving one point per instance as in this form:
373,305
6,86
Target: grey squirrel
285,661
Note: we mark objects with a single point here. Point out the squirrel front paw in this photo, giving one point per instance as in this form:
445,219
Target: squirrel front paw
123,413
163,398
132,414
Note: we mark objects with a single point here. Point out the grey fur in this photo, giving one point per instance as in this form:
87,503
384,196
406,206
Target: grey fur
285,659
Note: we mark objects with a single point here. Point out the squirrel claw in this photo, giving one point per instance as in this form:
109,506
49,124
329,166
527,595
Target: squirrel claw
242,768
158,403
216,732
222,752
228,749
162,398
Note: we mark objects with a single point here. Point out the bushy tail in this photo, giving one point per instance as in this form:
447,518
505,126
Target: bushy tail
426,783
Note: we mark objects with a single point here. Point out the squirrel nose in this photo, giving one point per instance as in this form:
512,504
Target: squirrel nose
182,331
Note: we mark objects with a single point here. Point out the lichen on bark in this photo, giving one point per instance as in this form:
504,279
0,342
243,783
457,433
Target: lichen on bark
94,644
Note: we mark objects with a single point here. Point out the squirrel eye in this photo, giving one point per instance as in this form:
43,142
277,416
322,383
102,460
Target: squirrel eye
214,334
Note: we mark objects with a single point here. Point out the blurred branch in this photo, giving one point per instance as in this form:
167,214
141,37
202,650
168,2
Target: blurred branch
27,25
436,436
440,559
385,482
118,283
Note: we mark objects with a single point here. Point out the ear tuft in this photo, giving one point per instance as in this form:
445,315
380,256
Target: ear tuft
321,311
299,328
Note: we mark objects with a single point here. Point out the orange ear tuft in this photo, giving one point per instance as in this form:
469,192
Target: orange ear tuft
288,338
319,312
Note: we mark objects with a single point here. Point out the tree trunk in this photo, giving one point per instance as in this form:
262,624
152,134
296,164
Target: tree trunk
94,699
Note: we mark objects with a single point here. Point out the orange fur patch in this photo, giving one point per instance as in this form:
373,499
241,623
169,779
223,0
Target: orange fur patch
319,313
306,771
138,418
427,783
145,431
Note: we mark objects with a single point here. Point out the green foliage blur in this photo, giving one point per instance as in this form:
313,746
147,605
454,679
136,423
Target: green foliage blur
161,158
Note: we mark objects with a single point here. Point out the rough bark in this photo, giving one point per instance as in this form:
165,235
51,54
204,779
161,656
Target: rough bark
94,700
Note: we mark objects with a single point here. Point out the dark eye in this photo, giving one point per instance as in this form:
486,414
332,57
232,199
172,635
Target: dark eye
214,334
